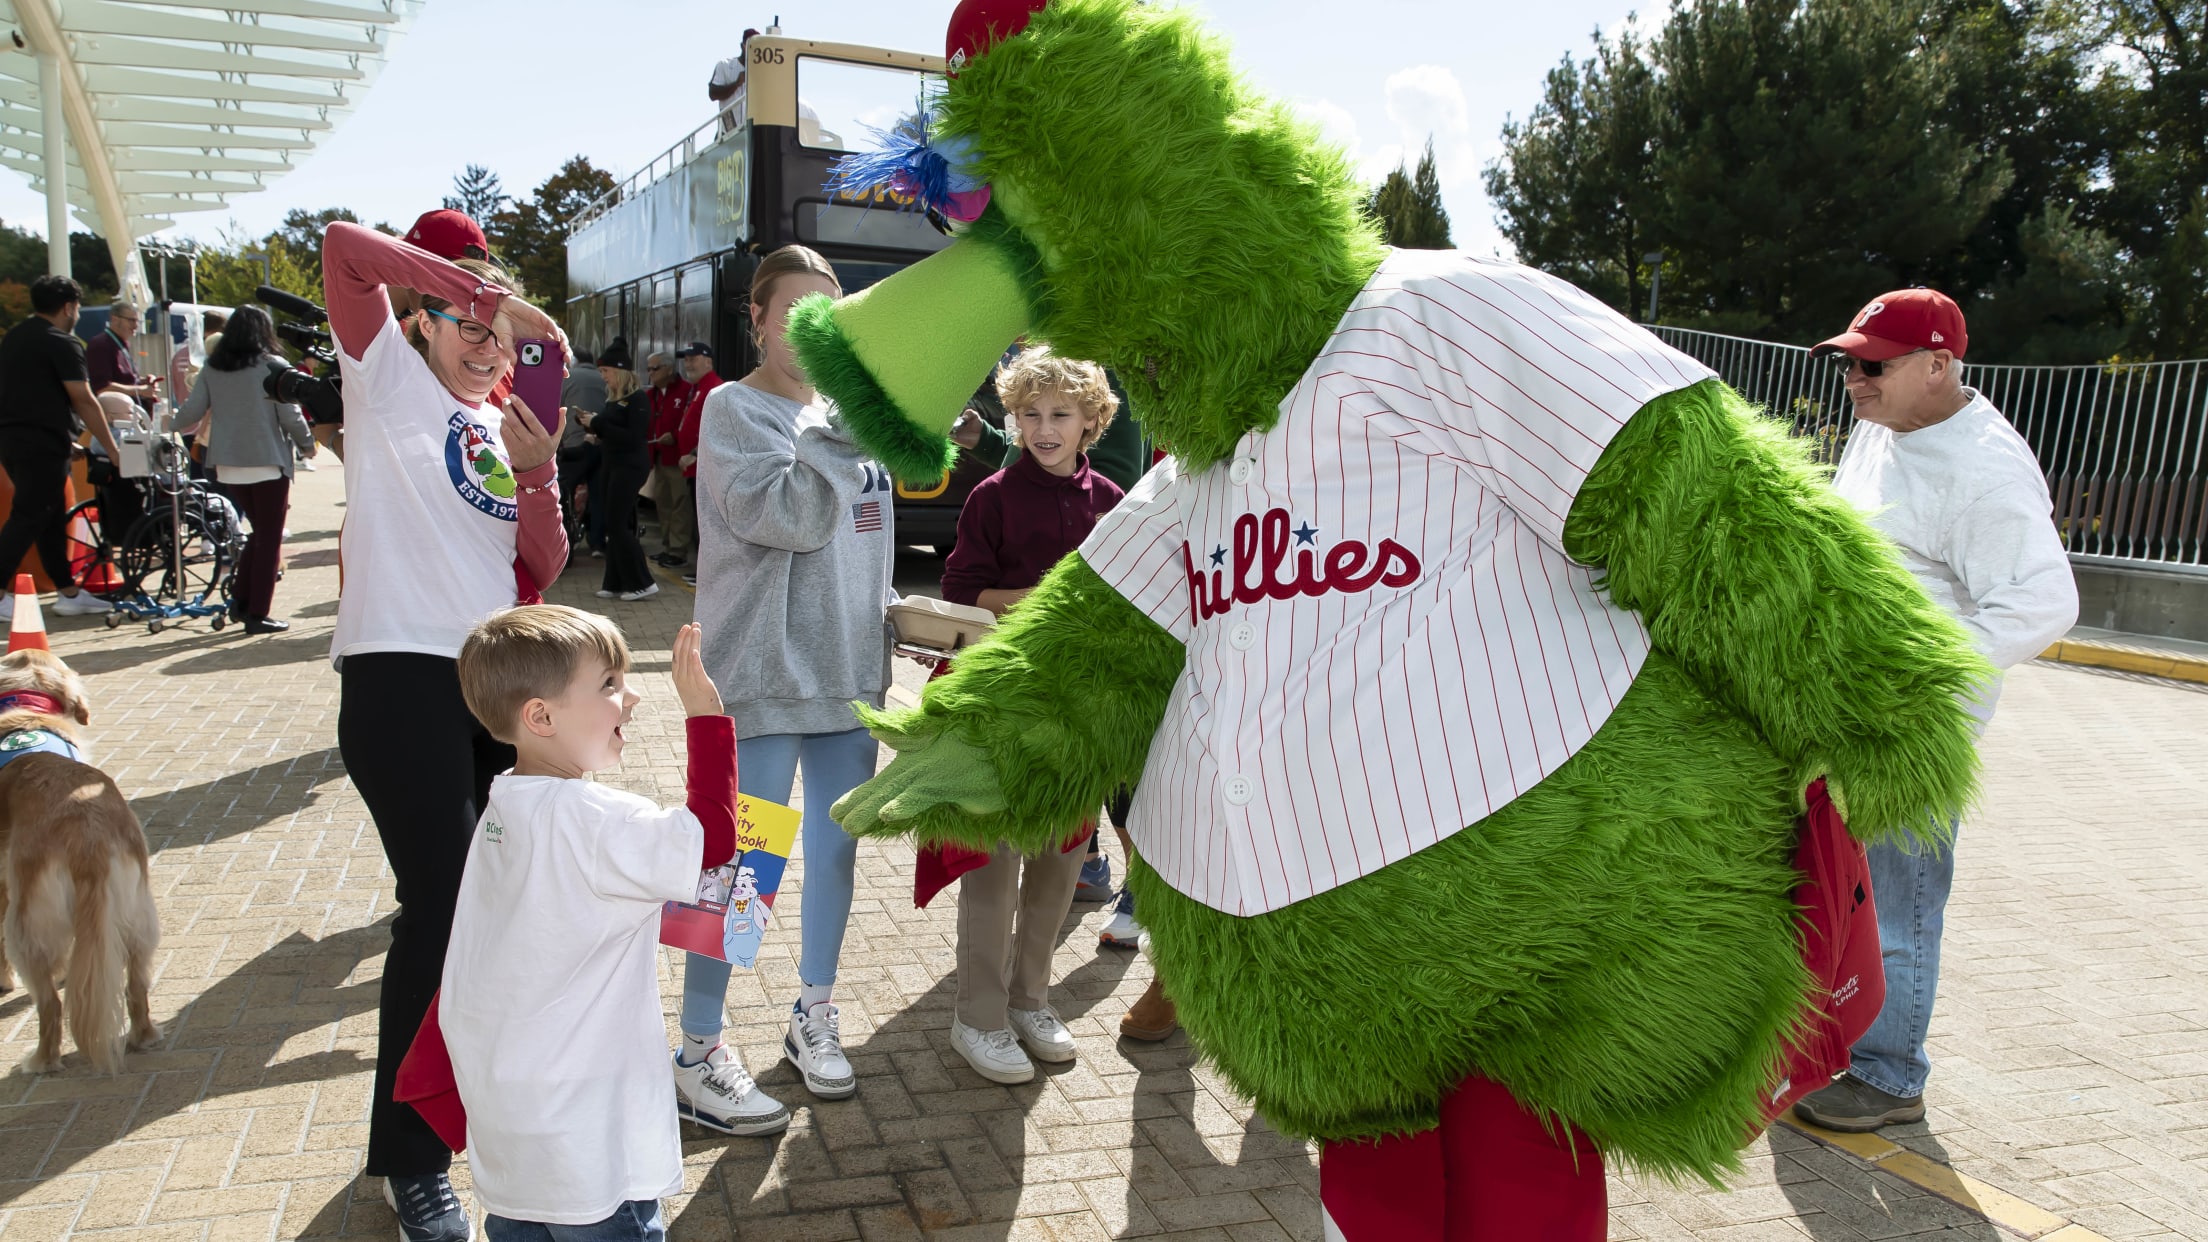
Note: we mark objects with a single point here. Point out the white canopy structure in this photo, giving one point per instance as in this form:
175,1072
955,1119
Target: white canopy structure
159,107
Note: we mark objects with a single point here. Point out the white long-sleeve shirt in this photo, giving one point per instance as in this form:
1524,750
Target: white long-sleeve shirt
1965,502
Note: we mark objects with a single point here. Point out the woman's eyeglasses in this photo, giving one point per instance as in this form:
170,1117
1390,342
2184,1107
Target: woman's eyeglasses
1847,363
470,331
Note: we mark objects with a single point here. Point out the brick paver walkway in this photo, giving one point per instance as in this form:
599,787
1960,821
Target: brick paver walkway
2072,1037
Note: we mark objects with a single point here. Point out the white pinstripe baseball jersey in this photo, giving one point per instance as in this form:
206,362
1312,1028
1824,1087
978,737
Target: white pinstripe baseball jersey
1385,639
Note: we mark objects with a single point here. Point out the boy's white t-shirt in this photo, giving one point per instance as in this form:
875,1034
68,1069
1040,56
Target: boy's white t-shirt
431,516
551,998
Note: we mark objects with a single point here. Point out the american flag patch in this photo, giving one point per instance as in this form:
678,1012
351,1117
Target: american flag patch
867,516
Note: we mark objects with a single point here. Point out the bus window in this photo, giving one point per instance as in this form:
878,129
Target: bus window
842,105
881,225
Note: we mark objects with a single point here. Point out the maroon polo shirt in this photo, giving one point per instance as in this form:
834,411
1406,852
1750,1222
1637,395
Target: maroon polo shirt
1019,522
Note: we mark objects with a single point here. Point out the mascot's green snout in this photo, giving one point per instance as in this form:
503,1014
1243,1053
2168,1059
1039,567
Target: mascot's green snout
1473,651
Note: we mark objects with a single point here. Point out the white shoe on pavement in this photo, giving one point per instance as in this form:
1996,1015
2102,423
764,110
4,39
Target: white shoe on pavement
82,604
718,1093
814,1044
1123,931
1042,1033
995,1055
7,607
603,593
643,592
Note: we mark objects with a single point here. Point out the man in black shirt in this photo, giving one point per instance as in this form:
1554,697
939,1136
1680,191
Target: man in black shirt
44,395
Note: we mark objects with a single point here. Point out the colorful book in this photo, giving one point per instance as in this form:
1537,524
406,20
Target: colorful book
735,900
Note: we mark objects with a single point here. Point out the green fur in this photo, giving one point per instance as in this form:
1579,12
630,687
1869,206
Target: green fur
1197,237
1780,599
900,444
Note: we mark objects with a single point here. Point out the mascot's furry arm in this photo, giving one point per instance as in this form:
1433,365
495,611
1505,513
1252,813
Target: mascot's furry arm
1709,521
1712,524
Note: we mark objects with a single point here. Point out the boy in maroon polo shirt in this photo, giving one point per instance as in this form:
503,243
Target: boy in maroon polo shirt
1016,524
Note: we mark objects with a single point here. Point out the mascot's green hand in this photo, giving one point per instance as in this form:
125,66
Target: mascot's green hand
939,787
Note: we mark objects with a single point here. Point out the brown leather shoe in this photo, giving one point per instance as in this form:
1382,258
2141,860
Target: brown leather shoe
1150,1019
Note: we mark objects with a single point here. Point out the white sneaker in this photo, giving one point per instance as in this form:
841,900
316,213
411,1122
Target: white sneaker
641,593
718,1093
1123,931
603,593
7,608
82,604
814,1045
1042,1033
995,1055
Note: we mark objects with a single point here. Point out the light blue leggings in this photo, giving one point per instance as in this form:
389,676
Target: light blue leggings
766,767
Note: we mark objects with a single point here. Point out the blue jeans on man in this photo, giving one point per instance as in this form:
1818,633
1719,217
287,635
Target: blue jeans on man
638,1220
1911,890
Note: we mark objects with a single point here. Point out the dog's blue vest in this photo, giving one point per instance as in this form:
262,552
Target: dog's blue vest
31,741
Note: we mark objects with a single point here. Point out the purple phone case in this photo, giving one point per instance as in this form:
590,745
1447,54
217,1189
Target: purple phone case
538,372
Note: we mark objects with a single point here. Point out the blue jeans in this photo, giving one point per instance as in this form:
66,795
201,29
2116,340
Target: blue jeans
1911,892
638,1220
766,767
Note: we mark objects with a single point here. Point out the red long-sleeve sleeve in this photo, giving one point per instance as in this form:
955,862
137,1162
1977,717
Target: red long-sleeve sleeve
540,533
357,263
712,785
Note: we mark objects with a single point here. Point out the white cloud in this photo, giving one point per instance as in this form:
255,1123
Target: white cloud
1335,122
1427,102
1428,99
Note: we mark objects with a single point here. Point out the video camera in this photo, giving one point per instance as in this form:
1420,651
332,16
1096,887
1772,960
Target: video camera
323,398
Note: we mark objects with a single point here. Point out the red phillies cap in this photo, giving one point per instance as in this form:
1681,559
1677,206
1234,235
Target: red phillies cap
978,25
1901,322
449,234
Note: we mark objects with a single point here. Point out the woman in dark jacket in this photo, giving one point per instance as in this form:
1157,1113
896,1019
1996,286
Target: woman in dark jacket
621,429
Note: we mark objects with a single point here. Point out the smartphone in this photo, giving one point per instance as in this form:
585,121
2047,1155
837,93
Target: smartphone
538,374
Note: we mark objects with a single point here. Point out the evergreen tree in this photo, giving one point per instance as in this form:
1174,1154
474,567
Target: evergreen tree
477,194
1409,208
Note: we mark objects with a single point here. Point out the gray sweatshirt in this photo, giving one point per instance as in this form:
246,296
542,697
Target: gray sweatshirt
794,554
248,429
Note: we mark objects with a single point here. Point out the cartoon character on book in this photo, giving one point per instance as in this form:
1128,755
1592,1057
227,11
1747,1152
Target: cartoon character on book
1478,655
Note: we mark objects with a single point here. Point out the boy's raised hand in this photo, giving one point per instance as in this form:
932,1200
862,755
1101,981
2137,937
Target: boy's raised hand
692,686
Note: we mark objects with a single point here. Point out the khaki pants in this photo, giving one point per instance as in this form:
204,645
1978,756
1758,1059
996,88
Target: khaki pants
678,515
998,966
331,437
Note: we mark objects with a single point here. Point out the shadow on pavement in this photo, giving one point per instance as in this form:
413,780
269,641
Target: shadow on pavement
238,801
1838,1198
242,650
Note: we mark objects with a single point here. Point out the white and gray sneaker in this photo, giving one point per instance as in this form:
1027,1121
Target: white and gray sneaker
1042,1033
82,604
1123,931
428,1211
718,1093
995,1055
814,1044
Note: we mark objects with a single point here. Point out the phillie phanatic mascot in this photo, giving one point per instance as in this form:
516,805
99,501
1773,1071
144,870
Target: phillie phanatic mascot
1484,663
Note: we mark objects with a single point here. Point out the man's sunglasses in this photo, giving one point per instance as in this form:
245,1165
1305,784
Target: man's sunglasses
470,331
1847,363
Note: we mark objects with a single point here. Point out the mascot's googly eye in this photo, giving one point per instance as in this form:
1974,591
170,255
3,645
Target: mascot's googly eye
532,355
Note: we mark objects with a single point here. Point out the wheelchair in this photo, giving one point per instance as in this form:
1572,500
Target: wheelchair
176,559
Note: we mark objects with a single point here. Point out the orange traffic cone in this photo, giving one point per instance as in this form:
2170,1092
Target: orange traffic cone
27,628
98,578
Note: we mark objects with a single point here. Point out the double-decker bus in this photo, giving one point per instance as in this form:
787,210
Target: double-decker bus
666,258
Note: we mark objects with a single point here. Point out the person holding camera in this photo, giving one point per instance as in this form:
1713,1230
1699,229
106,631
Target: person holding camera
250,440
452,514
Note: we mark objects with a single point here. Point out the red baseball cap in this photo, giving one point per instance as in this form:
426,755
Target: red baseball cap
978,25
449,234
1901,322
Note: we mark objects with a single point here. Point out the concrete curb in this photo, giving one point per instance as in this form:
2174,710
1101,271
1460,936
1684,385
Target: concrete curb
2151,661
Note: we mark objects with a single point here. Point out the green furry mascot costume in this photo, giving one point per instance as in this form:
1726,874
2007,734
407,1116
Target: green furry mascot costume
1474,650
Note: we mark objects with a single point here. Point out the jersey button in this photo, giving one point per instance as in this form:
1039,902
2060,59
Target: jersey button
1243,636
1240,471
1240,790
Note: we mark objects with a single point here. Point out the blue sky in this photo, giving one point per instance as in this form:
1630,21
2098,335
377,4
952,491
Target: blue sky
522,86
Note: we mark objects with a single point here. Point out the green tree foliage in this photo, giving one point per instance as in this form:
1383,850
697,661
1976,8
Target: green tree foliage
1792,158
530,237
476,193
1409,208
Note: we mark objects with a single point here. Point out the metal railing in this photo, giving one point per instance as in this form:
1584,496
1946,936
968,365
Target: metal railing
2124,445
658,166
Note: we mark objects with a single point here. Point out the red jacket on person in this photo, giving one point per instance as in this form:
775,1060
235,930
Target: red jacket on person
667,421
693,406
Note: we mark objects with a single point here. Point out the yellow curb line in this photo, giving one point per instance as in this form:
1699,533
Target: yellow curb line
673,577
1997,1206
2153,663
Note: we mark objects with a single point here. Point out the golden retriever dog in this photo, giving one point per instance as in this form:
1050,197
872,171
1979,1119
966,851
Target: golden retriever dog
76,903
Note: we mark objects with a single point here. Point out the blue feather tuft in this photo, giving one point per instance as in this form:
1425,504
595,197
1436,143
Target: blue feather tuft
908,168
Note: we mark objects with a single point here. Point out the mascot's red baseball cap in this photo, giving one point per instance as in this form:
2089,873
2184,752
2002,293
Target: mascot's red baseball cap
978,25
1901,322
449,234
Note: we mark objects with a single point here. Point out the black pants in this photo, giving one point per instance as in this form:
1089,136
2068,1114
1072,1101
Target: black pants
618,484
38,466
264,506
423,764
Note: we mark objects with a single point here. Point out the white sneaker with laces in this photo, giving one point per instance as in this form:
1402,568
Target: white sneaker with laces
82,604
644,592
1042,1033
814,1045
1123,931
995,1055
718,1093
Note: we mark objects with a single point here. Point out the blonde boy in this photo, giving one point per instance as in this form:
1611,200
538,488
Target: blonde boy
550,1005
